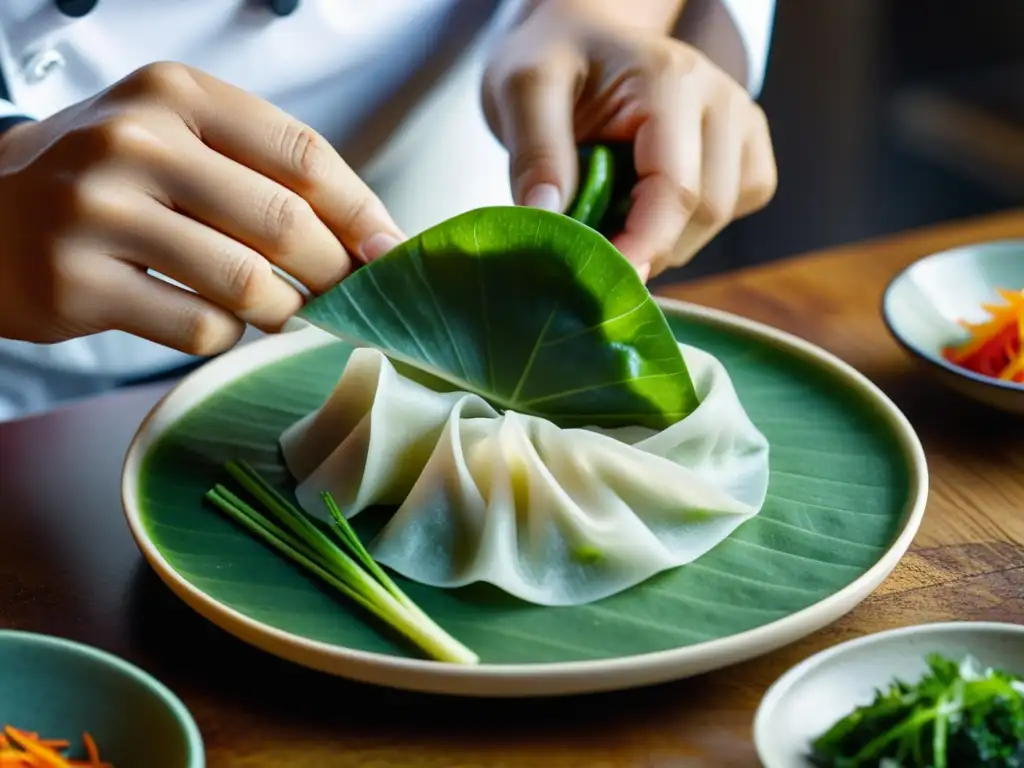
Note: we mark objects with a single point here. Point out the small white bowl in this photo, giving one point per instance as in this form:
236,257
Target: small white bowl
923,305
807,700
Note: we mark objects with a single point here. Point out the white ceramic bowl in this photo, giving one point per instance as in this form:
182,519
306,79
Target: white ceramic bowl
810,697
923,305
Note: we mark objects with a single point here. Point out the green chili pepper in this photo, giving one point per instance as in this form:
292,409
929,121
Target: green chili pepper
595,191
607,177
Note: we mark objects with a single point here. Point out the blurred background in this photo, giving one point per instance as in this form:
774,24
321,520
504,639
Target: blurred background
886,115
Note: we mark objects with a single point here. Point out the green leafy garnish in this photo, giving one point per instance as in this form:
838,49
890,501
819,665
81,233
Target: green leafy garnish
956,716
349,568
531,310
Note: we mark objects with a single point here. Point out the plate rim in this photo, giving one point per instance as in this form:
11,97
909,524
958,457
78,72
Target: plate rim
537,678
784,682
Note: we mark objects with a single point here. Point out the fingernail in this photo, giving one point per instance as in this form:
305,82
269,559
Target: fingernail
544,196
644,270
377,245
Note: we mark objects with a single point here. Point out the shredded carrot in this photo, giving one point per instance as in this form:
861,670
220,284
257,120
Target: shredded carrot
996,346
25,749
44,756
90,747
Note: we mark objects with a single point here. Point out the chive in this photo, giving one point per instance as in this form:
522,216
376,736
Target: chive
348,535
288,548
360,579
266,524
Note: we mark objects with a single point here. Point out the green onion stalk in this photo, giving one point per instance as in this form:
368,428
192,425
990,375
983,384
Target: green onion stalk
356,575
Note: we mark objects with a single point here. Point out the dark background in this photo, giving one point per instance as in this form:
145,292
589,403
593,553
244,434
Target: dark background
886,115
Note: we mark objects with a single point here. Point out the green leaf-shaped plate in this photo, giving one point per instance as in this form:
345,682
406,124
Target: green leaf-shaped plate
847,494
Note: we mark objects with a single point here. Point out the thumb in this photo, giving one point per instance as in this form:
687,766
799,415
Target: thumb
536,115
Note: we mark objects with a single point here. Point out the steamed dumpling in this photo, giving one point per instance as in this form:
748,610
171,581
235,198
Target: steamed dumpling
553,516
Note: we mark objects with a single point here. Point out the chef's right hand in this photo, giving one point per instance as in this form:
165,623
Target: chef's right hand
173,170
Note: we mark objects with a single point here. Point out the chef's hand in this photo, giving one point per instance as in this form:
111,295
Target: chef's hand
174,171
589,70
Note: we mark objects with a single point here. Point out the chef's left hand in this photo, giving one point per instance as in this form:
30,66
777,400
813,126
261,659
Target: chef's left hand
602,70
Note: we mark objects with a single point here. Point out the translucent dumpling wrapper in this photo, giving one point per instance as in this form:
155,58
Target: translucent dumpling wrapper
553,516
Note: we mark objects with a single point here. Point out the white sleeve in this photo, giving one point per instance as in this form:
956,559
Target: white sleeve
735,34
7,109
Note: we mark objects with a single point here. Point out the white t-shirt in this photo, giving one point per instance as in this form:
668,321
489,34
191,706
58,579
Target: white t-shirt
393,84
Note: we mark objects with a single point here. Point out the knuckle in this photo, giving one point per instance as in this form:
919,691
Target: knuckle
283,217
123,135
203,332
78,201
675,62
524,79
245,278
305,150
758,195
690,199
168,81
359,208
530,162
709,212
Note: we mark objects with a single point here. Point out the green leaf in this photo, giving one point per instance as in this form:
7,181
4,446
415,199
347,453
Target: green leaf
953,715
529,309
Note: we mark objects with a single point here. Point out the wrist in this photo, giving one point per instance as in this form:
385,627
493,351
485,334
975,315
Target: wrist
647,15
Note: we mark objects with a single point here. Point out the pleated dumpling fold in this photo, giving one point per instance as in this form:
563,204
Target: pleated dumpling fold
553,516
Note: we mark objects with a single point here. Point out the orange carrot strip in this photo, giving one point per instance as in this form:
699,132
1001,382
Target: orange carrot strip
46,757
90,748
981,335
25,749
1014,371
983,332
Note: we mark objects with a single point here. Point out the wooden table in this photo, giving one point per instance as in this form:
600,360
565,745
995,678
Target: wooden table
68,567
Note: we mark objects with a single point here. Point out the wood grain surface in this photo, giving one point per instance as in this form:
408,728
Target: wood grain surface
68,567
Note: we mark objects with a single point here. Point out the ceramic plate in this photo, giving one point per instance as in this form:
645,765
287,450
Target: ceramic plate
847,493
806,701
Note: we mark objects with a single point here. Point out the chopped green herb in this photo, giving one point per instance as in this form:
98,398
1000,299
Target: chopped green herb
354,572
956,716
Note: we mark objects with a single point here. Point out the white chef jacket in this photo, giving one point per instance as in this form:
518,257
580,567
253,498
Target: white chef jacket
393,84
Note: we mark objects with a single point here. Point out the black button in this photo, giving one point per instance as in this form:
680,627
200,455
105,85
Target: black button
283,7
75,8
